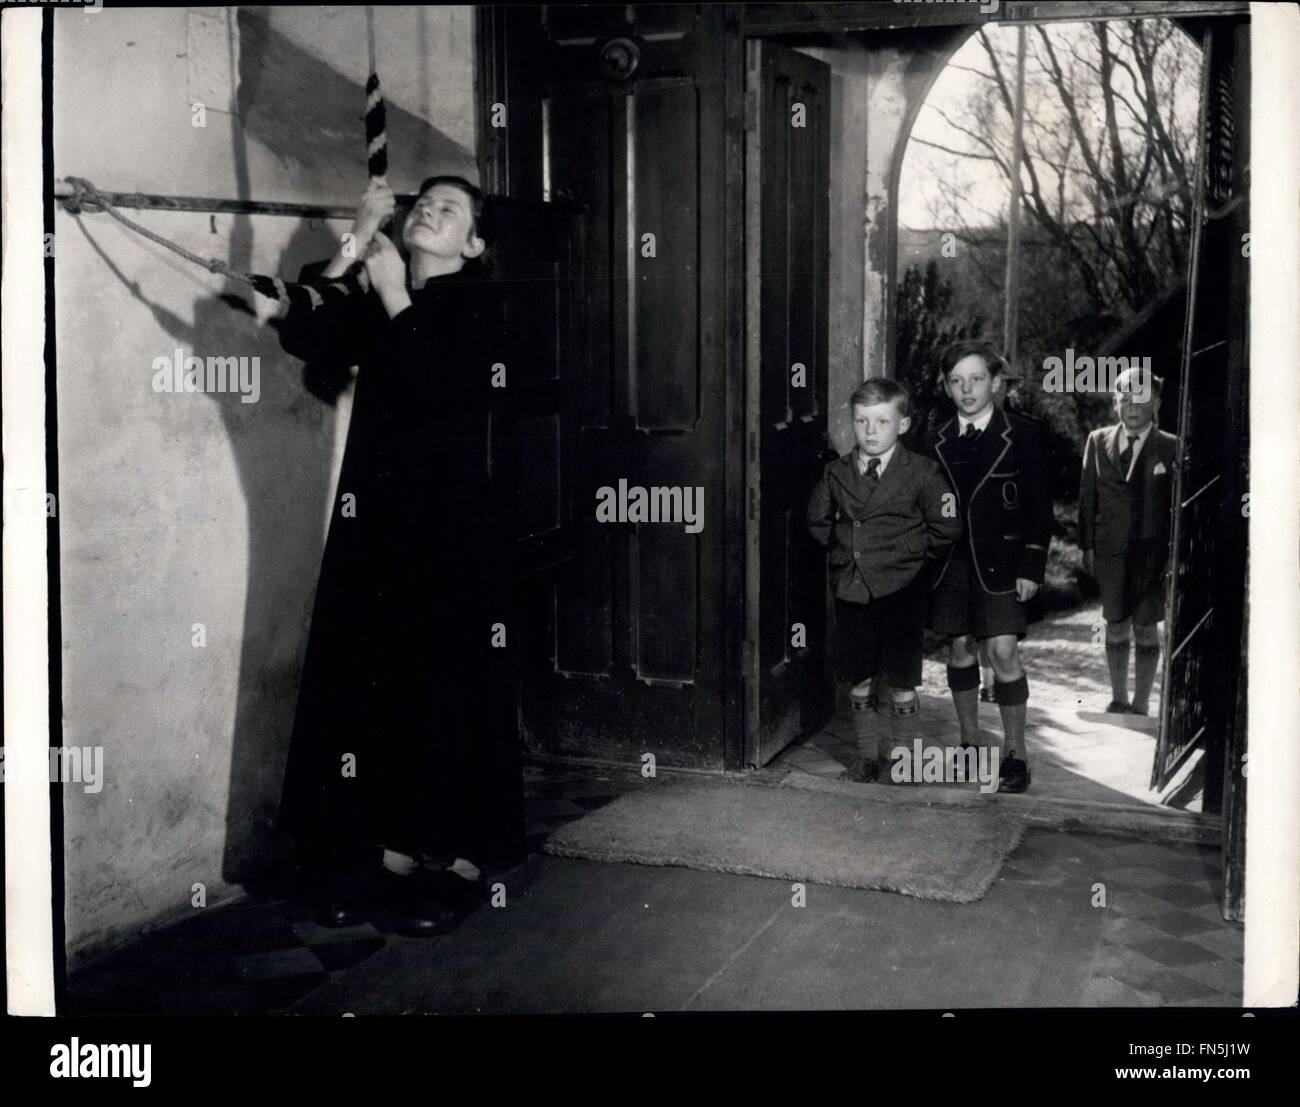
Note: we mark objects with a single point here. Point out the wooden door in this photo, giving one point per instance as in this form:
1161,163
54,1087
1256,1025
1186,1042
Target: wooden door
1203,663
538,255
631,128
788,691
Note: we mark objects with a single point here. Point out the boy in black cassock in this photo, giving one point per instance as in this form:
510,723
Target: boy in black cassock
390,788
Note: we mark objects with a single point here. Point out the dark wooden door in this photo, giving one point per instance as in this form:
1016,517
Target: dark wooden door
538,255
787,163
1203,664
631,129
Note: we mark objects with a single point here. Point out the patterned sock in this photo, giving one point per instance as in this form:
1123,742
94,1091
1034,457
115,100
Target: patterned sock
867,742
904,724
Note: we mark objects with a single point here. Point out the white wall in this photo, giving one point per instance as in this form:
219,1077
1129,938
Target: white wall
183,509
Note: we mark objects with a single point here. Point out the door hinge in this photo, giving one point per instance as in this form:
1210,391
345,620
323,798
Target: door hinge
748,659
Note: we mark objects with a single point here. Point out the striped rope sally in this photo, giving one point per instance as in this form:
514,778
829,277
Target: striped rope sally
297,294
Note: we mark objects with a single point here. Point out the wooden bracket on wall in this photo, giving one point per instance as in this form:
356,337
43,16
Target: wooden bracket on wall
142,200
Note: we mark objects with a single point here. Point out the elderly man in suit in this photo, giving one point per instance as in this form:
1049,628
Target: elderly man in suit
885,514
1124,521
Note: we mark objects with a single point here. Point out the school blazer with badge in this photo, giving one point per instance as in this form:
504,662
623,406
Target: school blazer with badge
879,540
1007,525
1114,512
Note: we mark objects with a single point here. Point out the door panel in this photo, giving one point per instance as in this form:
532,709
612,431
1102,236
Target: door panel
539,259
788,692
632,131
1203,630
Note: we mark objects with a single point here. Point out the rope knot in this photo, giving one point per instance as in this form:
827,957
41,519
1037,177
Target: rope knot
84,194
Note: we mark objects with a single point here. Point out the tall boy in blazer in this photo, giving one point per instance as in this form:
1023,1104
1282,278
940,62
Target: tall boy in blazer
997,462
1124,526
885,514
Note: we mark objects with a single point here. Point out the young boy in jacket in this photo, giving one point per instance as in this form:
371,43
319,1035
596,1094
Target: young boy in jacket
997,462
885,514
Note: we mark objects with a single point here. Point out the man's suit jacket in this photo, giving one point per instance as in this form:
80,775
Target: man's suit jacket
1007,523
880,537
1115,513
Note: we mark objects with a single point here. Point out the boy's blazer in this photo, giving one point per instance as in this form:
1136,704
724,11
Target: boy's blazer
1008,521
880,540
1113,512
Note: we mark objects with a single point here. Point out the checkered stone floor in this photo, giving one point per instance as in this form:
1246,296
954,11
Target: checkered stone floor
260,955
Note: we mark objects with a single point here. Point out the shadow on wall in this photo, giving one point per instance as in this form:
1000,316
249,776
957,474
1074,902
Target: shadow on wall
284,445
283,448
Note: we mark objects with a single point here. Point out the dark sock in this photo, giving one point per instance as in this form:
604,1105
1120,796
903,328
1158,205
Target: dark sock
965,685
1144,675
1012,696
1117,663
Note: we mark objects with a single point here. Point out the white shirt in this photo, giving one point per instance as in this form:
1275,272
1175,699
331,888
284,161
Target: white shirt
980,422
1139,440
882,458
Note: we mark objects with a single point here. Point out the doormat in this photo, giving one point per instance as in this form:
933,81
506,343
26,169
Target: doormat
943,853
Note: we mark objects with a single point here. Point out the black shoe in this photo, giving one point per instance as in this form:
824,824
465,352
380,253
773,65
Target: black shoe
418,905
462,896
861,771
1013,776
349,899
1118,707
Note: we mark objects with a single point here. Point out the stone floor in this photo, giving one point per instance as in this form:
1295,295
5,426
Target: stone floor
580,936
1076,750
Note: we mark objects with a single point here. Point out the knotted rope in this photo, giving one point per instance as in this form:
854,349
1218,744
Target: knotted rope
297,294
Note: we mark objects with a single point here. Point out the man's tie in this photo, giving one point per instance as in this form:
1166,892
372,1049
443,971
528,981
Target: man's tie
970,431
873,470
1126,455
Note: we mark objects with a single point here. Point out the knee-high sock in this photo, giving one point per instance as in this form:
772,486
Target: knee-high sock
1117,663
1012,696
965,685
867,743
904,721
1144,674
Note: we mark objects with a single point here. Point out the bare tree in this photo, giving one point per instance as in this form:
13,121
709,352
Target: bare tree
1109,149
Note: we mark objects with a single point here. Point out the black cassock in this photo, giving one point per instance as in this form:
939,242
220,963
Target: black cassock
400,672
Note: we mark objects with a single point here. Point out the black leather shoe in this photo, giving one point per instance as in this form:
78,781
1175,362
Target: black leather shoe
861,771
1115,707
349,899
1013,775
419,909
462,896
